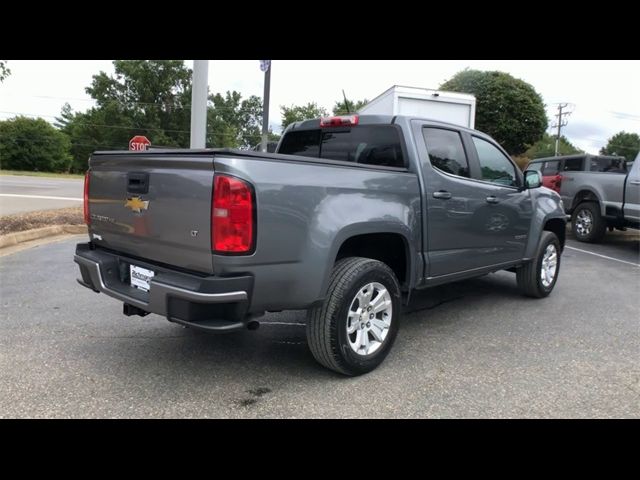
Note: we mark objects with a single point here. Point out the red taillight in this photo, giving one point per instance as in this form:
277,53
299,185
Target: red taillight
558,184
231,215
344,120
87,218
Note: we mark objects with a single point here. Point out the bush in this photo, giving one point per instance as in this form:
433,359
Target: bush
33,145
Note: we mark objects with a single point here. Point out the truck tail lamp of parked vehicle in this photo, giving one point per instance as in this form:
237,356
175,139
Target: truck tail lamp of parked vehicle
341,121
87,219
232,216
555,182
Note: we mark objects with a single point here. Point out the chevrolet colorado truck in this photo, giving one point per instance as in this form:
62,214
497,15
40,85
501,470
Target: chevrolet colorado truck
345,220
599,192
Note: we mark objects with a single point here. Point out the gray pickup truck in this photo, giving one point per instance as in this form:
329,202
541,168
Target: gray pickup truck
598,191
349,217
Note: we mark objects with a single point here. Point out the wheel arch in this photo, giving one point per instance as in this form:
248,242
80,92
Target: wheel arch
381,244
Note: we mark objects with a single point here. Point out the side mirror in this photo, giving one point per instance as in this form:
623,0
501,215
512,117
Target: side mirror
532,179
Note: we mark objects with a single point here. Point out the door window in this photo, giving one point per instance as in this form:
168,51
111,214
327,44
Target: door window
495,167
573,164
551,168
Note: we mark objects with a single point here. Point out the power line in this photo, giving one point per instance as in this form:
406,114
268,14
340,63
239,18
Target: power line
561,123
121,127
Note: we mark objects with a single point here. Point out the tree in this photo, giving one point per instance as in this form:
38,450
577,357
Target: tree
507,108
624,144
233,122
143,97
340,107
33,144
297,113
4,71
546,147
153,98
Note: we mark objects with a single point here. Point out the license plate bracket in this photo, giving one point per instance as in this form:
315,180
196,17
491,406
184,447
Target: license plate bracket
141,277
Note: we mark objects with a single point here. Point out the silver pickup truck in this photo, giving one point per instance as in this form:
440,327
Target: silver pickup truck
599,192
349,217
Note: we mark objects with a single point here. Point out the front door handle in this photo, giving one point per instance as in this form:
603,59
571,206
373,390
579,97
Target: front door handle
635,182
442,195
492,199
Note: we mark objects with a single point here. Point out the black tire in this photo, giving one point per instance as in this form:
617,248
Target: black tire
529,275
327,323
598,225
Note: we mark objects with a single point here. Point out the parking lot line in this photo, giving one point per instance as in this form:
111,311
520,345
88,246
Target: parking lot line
40,196
603,256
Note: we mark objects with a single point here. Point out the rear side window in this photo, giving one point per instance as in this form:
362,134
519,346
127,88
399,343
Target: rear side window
551,168
573,165
445,151
304,142
368,144
604,164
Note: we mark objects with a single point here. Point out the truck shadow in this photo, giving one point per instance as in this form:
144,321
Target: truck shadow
277,352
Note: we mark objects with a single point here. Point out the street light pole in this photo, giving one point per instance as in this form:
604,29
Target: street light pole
199,103
265,107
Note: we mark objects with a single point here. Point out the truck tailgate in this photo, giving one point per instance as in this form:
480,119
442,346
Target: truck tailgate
153,206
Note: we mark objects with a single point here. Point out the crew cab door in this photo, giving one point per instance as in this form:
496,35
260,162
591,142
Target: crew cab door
470,222
505,219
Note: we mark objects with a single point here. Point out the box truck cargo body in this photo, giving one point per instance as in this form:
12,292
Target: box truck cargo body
452,107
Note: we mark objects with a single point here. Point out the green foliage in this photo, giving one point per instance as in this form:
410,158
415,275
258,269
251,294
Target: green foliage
143,97
153,98
297,113
4,71
546,147
233,122
340,108
624,144
33,144
507,108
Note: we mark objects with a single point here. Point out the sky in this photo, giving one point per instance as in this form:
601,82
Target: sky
603,95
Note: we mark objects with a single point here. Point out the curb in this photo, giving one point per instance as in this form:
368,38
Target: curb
16,238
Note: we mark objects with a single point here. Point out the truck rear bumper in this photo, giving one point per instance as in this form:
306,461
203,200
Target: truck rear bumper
213,304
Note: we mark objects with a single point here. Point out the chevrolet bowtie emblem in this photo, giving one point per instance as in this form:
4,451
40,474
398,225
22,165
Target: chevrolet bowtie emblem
136,204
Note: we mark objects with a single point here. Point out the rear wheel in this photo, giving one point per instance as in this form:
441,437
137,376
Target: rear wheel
538,277
355,327
587,223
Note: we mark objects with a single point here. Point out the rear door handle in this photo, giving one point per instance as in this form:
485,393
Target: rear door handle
442,195
635,182
492,199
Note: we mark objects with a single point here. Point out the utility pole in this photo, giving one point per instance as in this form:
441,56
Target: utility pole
265,66
199,103
561,123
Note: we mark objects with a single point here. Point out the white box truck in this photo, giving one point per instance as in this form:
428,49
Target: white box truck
452,107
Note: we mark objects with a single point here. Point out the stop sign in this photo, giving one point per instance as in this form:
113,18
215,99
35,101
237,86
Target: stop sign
139,142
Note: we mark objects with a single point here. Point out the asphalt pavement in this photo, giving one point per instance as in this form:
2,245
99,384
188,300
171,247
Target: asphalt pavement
466,350
20,194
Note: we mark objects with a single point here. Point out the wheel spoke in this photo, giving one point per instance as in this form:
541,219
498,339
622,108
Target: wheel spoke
364,341
379,298
354,322
381,324
377,334
365,298
358,340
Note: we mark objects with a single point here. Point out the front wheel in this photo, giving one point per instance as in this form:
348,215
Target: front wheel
538,277
352,331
